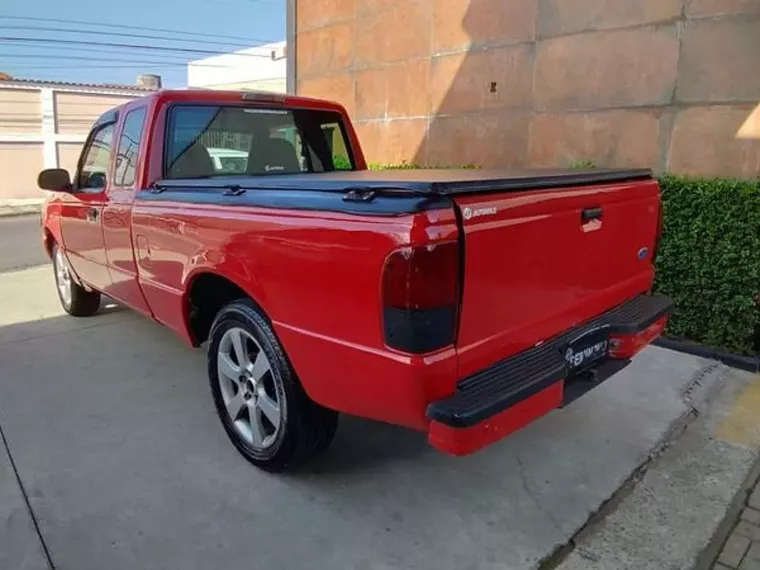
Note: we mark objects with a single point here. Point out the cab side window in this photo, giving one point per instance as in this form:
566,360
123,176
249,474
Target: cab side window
129,145
96,157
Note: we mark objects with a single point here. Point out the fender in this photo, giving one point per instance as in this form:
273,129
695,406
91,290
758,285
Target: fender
51,223
51,234
232,270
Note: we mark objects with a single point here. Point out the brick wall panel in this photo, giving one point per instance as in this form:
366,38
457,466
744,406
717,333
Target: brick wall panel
610,138
561,17
406,140
397,33
486,139
371,94
373,138
720,61
409,89
607,69
364,7
339,88
721,7
462,82
317,13
324,49
460,23
704,143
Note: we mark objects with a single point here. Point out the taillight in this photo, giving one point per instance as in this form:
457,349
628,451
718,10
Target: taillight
420,294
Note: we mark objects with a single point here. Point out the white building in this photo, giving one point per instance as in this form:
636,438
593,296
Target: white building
262,68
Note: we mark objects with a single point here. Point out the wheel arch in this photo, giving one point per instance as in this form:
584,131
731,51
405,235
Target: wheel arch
51,235
206,292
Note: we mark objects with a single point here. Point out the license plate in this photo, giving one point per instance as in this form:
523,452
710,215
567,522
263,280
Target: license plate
588,349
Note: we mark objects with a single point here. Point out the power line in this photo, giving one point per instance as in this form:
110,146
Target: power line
121,60
227,3
104,50
122,34
127,46
127,27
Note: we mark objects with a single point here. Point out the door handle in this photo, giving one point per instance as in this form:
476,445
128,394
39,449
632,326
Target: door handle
591,214
92,215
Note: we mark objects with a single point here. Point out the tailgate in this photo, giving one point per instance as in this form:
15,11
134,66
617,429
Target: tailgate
539,262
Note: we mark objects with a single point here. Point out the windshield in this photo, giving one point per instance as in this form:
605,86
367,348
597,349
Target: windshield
205,141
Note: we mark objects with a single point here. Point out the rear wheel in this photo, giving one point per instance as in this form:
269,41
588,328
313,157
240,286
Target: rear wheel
75,299
262,406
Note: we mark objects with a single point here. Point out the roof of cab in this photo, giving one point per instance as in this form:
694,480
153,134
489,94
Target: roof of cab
252,97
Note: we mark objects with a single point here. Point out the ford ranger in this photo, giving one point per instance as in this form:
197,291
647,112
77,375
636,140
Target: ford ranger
462,303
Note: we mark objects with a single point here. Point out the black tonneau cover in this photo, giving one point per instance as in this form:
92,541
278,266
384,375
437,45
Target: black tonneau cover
440,182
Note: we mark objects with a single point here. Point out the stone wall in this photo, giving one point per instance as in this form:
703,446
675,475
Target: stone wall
660,83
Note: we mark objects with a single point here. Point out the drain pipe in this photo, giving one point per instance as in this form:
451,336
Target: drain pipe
290,46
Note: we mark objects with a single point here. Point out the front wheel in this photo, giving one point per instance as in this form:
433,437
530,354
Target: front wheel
75,299
262,405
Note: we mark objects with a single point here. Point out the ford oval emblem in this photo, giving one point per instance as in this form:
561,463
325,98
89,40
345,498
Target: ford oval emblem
643,253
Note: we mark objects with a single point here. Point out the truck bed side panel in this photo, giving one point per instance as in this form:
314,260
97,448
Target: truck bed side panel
317,276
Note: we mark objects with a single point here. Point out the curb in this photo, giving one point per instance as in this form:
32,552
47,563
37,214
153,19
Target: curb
710,554
748,363
697,395
12,208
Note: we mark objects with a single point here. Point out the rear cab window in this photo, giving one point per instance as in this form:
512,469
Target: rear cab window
232,140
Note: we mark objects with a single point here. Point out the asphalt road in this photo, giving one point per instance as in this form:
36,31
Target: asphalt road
111,429
20,243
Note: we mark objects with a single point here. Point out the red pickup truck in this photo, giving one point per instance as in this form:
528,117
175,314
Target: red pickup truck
463,303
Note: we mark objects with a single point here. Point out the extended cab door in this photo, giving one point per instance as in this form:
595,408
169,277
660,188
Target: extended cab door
81,211
117,211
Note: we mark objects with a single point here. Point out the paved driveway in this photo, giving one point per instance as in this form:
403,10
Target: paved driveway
111,426
20,242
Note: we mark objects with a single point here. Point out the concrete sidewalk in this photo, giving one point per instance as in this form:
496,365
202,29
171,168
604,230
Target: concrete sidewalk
20,206
111,426
670,513
20,545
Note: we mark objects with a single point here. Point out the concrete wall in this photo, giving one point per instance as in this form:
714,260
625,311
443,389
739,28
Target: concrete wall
76,112
45,127
660,83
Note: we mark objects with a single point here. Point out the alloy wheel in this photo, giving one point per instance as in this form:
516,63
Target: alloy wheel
250,395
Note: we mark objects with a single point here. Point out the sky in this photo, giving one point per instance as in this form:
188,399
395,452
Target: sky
69,51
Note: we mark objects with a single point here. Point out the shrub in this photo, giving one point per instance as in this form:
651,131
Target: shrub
340,162
412,166
709,260
582,164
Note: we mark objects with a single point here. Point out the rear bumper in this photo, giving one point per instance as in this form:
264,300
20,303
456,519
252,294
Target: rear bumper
505,397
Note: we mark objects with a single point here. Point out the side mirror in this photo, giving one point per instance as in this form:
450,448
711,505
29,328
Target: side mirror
55,179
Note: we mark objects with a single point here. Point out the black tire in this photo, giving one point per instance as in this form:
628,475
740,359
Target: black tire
305,429
78,302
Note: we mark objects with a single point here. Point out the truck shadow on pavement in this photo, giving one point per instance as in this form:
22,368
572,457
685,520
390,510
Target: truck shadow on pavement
364,444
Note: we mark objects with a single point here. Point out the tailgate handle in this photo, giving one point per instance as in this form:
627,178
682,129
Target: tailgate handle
591,214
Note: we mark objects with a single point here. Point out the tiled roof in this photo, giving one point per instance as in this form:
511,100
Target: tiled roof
107,86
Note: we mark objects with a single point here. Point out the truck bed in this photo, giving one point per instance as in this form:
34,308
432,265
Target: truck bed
439,182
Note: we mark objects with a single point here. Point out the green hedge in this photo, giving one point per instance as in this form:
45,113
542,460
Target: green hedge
413,166
709,260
